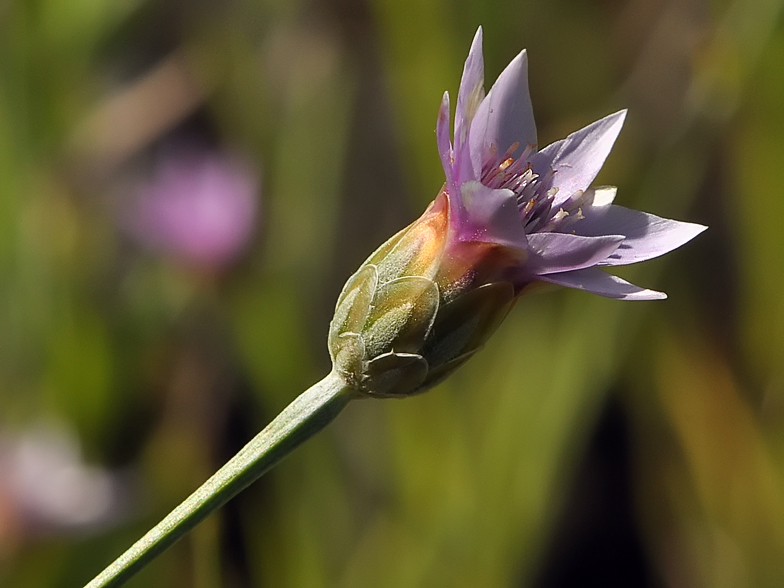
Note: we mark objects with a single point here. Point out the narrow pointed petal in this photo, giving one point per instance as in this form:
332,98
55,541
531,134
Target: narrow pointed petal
471,89
442,138
646,235
506,116
599,282
560,252
491,216
470,96
577,159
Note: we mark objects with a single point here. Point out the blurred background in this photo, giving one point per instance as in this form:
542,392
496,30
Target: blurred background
185,186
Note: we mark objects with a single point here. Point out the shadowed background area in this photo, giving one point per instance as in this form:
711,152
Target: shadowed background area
184,188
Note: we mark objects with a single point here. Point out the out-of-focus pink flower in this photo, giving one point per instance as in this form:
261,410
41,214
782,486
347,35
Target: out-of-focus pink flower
45,486
199,205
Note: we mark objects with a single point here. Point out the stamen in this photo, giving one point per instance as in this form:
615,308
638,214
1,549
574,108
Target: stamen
511,149
534,200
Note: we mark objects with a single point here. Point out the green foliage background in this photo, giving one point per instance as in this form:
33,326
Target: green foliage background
165,370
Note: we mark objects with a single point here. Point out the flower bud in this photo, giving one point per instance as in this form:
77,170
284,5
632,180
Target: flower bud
416,309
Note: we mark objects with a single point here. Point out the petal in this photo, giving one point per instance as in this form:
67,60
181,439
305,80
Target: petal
560,252
577,159
506,115
442,137
647,235
599,282
472,89
471,94
600,195
491,216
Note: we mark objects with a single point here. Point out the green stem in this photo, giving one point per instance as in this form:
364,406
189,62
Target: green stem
310,412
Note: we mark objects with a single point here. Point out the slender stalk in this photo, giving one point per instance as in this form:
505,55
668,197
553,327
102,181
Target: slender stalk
310,412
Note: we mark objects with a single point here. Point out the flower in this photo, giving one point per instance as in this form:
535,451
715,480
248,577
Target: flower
507,216
541,204
45,486
199,205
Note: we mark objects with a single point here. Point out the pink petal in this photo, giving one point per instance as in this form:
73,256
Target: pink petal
646,235
442,137
506,115
577,159
471,88
594,280
560,252
469,97
491,216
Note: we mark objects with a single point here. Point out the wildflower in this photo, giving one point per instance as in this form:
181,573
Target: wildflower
507,216
45,486
427,299
199,206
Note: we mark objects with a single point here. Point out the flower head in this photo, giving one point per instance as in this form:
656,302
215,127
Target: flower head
199,205
502,190
507,216
45,486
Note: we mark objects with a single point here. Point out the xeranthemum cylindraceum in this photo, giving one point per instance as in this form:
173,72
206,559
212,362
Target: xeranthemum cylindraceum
501,189
508,215
426,301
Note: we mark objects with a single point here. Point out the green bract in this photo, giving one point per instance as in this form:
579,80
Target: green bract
396,332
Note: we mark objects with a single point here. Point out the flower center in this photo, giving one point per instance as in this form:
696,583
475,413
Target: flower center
534,192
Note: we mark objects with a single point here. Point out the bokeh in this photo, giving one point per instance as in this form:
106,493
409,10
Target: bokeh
184,187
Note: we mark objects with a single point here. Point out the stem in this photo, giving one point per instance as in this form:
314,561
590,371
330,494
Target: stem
310,412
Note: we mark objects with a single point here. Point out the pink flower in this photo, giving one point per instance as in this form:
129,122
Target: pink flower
540,204
199,205
45,486
507,216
